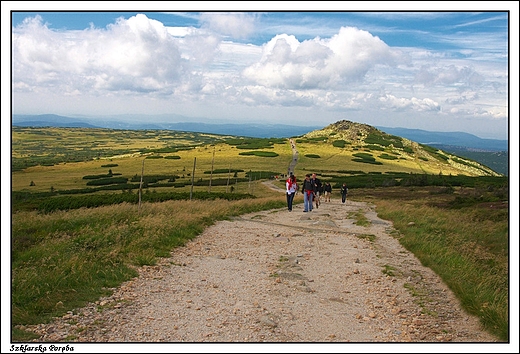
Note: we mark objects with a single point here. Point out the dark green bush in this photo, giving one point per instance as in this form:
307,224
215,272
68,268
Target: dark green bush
106,181
387,157
259,153
339,143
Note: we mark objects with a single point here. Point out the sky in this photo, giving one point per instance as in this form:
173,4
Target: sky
433,70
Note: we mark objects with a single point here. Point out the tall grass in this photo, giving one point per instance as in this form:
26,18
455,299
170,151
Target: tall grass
62,260
468,248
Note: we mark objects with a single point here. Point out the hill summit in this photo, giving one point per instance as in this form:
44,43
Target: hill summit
365,143
347,130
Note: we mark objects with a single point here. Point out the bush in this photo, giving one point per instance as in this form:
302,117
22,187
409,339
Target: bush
339,143
259,153
107,181
387,157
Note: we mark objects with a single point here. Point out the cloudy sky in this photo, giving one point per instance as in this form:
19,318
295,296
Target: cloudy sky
434,70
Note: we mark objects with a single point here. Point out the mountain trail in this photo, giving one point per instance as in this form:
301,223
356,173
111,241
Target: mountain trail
279,276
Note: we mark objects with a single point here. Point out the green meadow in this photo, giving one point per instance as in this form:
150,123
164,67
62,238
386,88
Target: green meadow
91,205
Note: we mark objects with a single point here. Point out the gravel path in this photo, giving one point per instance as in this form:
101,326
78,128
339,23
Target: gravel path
280,276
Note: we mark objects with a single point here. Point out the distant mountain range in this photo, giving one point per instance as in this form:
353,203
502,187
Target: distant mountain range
453,139
490,152
253,130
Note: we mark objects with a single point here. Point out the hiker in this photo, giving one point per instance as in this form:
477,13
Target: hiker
328,190
318,189
291,187
308,191
344,191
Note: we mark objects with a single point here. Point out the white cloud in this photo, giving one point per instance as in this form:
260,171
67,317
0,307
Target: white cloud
320,63
134,55
234,24
449,75
414,103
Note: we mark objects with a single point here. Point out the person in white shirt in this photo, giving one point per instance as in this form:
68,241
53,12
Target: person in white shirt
291,187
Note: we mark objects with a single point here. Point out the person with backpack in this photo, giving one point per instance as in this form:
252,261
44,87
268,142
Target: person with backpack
291,187
344,192
328,190
318,189
308,190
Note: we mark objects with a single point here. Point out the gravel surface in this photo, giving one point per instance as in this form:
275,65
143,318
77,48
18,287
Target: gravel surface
279,276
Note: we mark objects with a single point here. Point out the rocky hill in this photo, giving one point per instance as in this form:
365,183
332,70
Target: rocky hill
363,138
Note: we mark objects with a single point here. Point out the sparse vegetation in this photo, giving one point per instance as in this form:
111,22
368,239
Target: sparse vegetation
389,270
369,237
360,218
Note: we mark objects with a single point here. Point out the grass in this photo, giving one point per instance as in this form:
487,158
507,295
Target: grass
389,270
369,237
361,219
422,299
468,247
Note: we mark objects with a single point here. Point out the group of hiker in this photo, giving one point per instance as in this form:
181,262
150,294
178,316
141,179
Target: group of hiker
312,189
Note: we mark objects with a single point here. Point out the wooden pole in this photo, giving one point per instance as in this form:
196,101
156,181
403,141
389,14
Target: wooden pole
211,175
228,175
193,177
140,188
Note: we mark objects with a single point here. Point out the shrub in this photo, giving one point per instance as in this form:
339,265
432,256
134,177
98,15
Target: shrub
106,181
259,153
387,157
339,143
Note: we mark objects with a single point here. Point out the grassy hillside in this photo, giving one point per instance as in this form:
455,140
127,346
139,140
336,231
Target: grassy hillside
390,152
496,160
45,159
77,233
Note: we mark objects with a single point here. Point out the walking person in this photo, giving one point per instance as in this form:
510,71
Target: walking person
328,190
291,187
344,192
308,193
318,189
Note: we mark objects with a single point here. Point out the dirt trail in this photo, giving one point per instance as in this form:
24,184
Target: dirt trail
280,276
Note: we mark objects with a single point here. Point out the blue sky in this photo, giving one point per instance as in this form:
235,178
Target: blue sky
433,70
